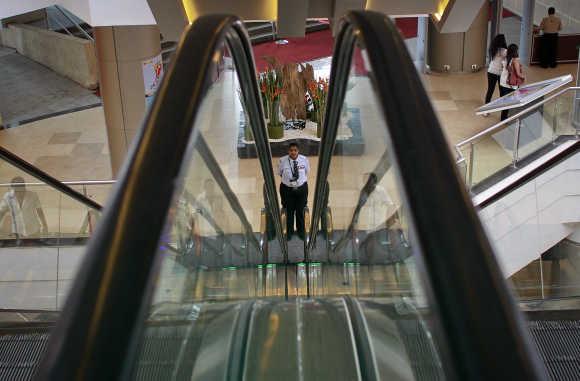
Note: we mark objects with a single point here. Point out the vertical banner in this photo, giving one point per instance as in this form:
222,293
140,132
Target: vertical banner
152,73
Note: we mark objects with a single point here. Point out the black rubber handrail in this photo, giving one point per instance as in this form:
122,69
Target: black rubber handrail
44,177
479,329
98,332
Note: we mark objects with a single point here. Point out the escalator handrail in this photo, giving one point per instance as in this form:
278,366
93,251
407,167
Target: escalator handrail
479,326
35,172
96,337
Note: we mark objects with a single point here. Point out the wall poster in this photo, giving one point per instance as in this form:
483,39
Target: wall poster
152,74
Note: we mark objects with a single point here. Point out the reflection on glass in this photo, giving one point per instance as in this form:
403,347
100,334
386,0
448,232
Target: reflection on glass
492,154
364,223
542,128
212,248
25,211
43,234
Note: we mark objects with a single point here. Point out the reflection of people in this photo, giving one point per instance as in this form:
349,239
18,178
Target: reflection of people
186,230
294,169
550,25
211,203
497,53
25,210
211,207
385,240
378,208
90,221
512,67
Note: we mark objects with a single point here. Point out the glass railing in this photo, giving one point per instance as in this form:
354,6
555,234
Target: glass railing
43,234
496,152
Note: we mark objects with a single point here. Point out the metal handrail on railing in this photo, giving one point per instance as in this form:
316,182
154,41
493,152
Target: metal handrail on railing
76,24
69,183
501,126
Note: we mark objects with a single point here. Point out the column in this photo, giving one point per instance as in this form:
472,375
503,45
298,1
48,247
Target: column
458,52
121,52
526,31
496,16
422,35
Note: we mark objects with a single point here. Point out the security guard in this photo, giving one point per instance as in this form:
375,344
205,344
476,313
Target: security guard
294,169
550,25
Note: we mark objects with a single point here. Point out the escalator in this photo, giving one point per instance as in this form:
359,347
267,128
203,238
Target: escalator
189,274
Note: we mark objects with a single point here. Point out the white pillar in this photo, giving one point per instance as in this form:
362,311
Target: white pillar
526,31
422,43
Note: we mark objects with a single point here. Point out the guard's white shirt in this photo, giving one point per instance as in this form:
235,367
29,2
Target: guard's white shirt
24,218
285,170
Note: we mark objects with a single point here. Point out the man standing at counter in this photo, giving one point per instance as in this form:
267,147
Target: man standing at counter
550,25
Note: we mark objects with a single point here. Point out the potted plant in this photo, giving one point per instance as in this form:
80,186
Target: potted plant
271,89
318,93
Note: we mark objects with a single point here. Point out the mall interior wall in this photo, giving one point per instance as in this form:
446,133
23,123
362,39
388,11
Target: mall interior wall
459,52
69,56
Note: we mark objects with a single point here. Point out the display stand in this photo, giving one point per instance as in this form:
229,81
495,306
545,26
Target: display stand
524,96
531,126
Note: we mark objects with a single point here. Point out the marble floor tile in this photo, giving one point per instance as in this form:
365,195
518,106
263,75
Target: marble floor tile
65,138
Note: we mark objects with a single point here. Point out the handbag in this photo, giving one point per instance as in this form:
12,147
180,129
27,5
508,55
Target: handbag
513,78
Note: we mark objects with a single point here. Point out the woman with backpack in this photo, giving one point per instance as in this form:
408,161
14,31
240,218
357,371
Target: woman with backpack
512,76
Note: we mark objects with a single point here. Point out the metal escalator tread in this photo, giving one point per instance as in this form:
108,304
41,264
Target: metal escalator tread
558,342
20,353
420,350
159,352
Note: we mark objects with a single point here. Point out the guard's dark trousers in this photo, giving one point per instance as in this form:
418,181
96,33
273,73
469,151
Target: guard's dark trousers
549,50
294,200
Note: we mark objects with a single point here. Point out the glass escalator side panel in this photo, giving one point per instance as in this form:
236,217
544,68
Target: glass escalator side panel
368,214
211,254
374,255
43,233
212,232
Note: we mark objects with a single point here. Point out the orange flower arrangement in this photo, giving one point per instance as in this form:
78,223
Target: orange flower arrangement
271,89
319,92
